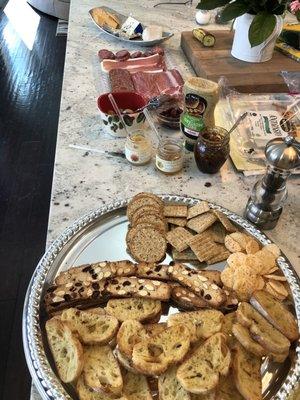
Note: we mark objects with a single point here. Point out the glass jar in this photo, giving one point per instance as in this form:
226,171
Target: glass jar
211,149
169,156
138,148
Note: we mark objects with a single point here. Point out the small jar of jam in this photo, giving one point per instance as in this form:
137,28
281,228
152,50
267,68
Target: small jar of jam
169,156
211,149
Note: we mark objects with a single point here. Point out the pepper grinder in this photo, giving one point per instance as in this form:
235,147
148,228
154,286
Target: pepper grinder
268,195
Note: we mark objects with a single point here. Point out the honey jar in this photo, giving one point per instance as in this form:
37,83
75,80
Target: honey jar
138,148
169,156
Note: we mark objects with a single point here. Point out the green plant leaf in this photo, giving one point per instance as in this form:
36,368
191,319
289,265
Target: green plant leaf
234,10
261,28
211,4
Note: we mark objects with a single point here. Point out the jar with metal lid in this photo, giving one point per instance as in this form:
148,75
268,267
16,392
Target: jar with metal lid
138,148
169,156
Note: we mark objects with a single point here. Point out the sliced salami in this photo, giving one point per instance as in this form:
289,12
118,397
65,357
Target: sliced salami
105,54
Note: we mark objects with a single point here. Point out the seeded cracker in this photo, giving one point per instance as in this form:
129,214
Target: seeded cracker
218,232
221,256
179,238
198,209
224,221
175,211
177,221
202,222
185,255
203,246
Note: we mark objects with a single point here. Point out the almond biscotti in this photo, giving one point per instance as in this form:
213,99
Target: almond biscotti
198,283
138,287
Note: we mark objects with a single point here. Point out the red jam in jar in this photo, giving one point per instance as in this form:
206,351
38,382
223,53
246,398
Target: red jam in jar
211,149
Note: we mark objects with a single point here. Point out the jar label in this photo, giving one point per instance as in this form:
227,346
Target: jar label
192,123
169,166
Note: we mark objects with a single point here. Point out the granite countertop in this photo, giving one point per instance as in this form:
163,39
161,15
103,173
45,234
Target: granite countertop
84,181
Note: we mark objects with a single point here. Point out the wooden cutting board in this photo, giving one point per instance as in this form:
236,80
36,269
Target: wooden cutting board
213,62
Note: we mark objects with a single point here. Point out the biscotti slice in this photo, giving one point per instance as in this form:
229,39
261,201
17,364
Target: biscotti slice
154,355
138,309
74,294
213,275
177,211
86,393
153,271
169,387
201,323
200,223
200,208
179,238
101,370
130,333
227,389
204,247
242,334
246,373
224,221
198,283
186,299
136,387
261,330
95,272
146,244
138,287
200,373
276,313
92,328
66,350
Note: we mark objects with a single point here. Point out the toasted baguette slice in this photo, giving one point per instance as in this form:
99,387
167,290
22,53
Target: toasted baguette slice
276,313
96,272
66,350
125,362
154,355
136,387
169,387
137,287
155,329
207,396
101,370
246,372
242,334
86,393
227,389
198,283
228,321
201,323
92,328
261,330
200,373
138,309
130,333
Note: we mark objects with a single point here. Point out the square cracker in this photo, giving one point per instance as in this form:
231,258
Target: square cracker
201,222
198,209
185,255
175,211
221,256
179,238
177,221
225,221
203,246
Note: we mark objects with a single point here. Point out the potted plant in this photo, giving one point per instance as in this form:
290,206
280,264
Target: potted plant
257,25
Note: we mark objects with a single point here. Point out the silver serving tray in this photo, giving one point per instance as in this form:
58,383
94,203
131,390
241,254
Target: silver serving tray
100,235
117,33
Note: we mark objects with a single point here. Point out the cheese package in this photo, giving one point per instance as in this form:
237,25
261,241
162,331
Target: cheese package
103,17
132,26
152,32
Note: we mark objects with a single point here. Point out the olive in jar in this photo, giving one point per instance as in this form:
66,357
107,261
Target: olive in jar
211,149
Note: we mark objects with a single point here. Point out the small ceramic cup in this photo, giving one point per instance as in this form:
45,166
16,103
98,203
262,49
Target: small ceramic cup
129,103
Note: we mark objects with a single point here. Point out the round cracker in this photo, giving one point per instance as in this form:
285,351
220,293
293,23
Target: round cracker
139,202
143,210
149,195
147,244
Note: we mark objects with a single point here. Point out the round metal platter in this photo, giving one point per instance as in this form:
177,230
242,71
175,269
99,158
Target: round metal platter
100,235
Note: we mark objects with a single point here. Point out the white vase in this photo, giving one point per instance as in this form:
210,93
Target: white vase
241,47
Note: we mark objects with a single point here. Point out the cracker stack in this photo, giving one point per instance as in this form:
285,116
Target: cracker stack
145,238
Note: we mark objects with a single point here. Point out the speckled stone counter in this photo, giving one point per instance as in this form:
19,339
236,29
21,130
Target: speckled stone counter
84,181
